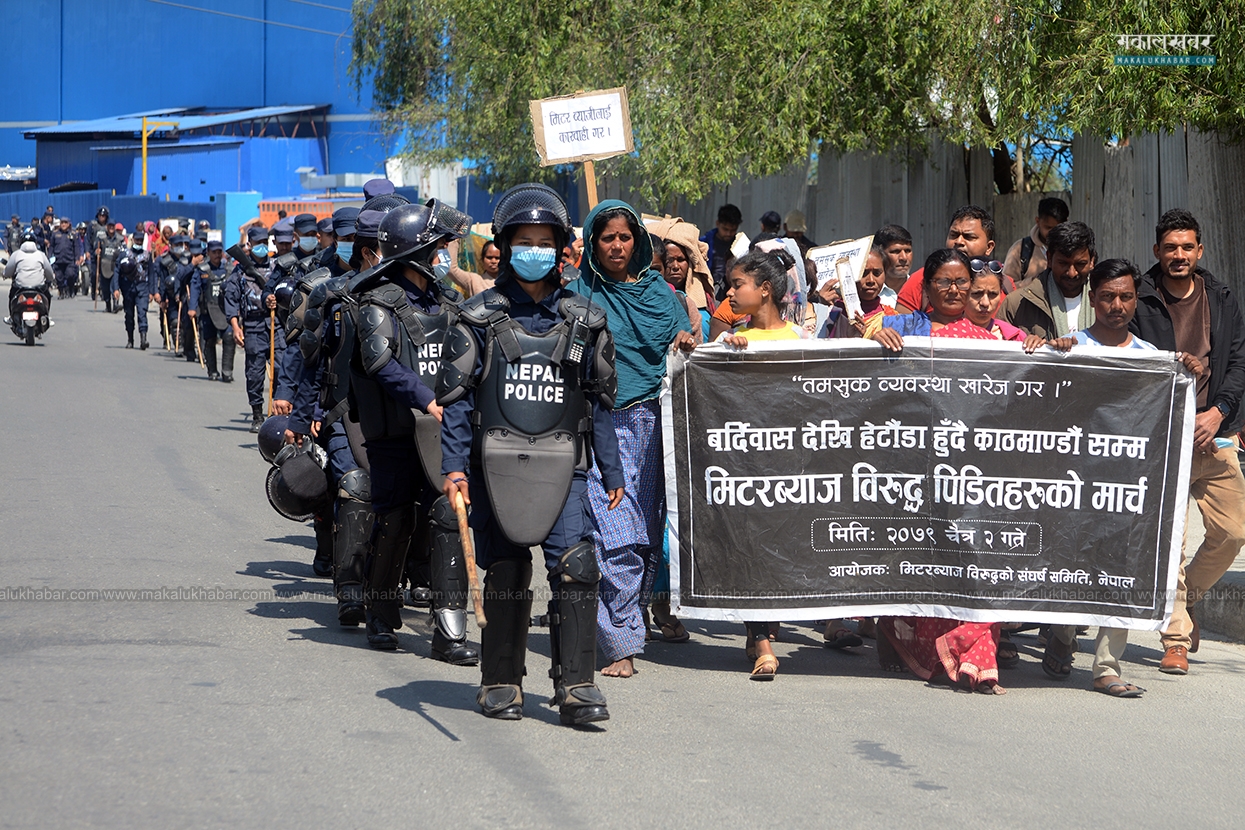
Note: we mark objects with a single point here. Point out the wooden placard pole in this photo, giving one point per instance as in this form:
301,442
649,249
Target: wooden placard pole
590,178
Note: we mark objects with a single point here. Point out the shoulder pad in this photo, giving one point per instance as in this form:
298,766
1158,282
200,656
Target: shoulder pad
386,295
366,280
375,346
476,311
311,279
319,295
577,306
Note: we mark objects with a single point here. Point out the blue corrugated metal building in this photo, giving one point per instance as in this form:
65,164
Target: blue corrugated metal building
78,60
204,154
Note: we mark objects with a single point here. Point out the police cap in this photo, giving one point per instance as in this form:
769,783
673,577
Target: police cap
256,234
377,187
305,224
367,224
344,220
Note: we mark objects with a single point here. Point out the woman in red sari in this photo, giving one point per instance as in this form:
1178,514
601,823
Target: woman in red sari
963,301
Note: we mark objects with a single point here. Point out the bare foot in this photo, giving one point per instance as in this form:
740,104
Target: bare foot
620,668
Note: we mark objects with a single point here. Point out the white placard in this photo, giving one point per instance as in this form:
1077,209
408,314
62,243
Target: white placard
825,257
582,127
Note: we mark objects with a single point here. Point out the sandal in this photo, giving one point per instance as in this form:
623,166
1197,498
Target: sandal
1007,654
888,657
1126,689
672,631
1057,666
766,668
842,638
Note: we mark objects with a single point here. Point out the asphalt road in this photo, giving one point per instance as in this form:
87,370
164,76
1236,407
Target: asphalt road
129,470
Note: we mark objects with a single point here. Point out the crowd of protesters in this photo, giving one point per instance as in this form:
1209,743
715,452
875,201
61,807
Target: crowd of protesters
662,284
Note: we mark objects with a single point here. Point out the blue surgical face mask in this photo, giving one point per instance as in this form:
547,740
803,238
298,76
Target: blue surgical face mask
441,265
306,243
345,250
532,264
260,251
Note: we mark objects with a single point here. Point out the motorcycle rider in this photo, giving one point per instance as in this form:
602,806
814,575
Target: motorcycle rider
29,268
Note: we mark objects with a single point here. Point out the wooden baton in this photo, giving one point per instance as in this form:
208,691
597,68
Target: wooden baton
469,554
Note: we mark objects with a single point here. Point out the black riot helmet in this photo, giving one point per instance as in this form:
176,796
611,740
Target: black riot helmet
385,202
297,486
411,234
103,211
529,204
272,436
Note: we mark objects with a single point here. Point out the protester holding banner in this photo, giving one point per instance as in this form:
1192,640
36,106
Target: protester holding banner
1113,295
984,298
646,320
947,278
1181,307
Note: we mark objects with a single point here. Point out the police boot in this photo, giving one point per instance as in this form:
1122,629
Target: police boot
503,642
448,574
354,525
228,347
382,598
142,341
129,339
257,417
209,359
573,637
418,566
322,563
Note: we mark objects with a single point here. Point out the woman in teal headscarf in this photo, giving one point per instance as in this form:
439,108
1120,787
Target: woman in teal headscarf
646,320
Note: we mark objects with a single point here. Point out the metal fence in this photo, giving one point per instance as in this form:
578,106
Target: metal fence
81,205
1119,191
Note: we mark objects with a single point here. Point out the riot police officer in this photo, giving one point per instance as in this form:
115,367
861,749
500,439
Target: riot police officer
526,378
324,233
106,249
306,238
207,306
403,314
321,321
63,252
130,287
248,309
171,274
190,342
336,255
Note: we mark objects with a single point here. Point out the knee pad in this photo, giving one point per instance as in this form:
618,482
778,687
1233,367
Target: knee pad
579,564
355,485
442,514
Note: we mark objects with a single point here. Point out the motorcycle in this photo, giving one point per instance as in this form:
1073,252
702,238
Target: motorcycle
28,315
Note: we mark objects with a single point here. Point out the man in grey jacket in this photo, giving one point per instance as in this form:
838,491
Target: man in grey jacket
29,268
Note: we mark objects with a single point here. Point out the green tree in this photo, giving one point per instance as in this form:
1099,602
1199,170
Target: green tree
736,86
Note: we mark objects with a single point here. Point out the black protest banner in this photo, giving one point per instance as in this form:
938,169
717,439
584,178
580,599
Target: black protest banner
959,479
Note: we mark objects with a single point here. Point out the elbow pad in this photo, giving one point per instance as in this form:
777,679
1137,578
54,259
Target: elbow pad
458,363
375,345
